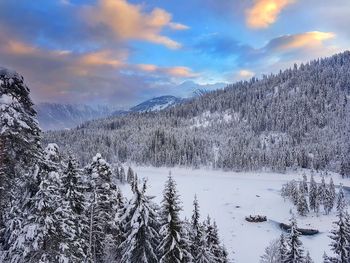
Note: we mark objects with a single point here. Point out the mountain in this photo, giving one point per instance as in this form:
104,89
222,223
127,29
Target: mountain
299,117
155,104
54,116
188,89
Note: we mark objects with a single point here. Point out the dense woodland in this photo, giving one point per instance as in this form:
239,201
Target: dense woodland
52,210
299,117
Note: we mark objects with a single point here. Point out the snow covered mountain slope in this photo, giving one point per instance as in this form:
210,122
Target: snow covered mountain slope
53,116
155,104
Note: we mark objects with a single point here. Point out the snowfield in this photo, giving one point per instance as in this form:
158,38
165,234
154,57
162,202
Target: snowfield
228,197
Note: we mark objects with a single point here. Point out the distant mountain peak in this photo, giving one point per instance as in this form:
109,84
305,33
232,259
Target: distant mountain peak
157,103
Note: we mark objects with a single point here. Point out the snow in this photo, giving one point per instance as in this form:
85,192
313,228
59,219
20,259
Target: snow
228,197
6,99
207,119
8,72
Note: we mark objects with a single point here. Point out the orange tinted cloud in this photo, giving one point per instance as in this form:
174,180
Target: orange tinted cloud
129,21
265,12
244,73
180,72
20,48
100,58
147,67
177,71
308,39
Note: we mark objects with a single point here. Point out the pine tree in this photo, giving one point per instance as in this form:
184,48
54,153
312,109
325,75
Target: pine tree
195,233
282,249
204,254
122,174
329,198
48,229
170,248
102,207
130,176
340,236
302,206
341,202
295,251
304,184
140,219
73,190
20,150
322,191
313,195
213,241
185,241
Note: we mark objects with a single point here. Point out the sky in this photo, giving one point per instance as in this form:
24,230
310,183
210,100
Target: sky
120,52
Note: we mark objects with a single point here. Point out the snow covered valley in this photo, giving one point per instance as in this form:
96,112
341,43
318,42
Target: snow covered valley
228,197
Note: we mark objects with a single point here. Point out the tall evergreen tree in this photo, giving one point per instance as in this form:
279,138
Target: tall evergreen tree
170,248
213,241
47,233
295,251
302,205
340,236
140,219
196,225
73,189
341,201
20,150
102,203
204,254
313,195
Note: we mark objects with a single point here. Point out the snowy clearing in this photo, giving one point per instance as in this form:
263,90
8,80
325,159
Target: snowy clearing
229,197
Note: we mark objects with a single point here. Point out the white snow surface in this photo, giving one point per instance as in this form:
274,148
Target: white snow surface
228,197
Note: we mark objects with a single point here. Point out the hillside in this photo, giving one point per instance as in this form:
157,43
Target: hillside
296,118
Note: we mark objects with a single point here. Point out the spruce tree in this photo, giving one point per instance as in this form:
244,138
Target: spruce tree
302,205
195,233
304,185
20,151
295,251
341,201
313,195
102,203
340,236
213,241
130,176
73,190
203,253
322,191
141,222
47,233
282,249
170,248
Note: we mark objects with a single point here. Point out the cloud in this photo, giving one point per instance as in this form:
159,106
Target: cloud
103,58
101,76
265,12
129,21
301,41
177,71
244,73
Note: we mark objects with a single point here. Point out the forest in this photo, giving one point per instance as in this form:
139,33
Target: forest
296,118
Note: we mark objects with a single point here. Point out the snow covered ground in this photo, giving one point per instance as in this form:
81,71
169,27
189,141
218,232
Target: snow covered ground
229,196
